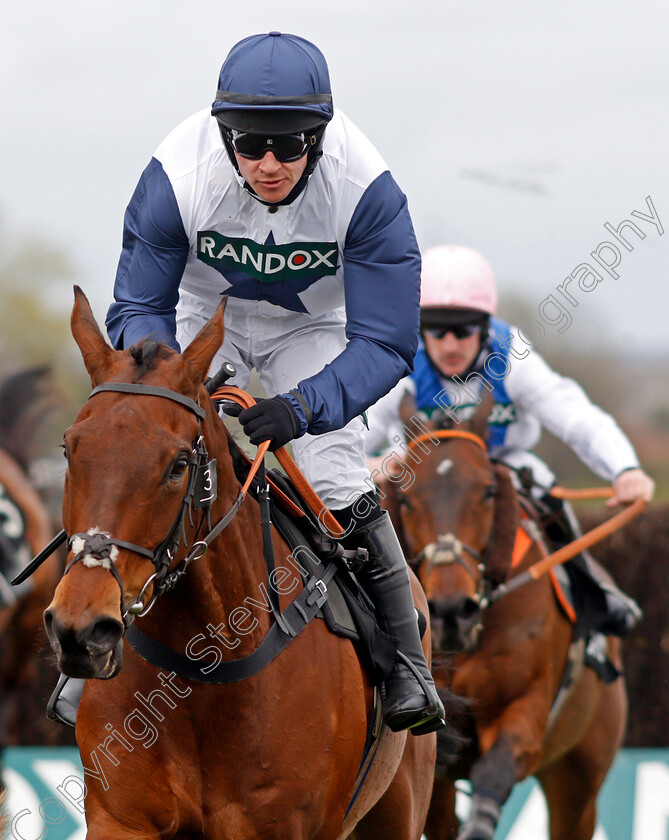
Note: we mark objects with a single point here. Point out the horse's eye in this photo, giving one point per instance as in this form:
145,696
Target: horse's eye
490,491
64,448
403,501
179,467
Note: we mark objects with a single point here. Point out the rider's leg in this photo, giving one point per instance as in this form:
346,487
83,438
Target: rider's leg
334,463
409,701
615,612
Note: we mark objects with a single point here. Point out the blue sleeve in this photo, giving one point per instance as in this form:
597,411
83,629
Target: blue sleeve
155,249
382,290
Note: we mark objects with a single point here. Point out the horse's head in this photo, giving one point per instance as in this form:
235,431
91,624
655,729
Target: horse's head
130,462
457,522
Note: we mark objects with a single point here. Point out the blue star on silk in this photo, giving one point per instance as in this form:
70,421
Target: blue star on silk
282,293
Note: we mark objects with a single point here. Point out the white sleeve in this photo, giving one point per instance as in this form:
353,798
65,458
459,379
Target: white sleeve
562,406
383,419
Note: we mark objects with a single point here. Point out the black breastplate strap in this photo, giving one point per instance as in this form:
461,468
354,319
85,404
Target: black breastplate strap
296,616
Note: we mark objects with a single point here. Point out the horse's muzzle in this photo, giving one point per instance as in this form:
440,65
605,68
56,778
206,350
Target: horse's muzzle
91,652
454,622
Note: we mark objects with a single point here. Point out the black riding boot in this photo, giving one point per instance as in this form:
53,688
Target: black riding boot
615,613
411,700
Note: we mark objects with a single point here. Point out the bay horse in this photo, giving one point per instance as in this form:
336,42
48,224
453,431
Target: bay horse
25,529
275,755
508,656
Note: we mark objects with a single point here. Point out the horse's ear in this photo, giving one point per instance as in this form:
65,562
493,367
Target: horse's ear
96,353
202,349
408,408
478,422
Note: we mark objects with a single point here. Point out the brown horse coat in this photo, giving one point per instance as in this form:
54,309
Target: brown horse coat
22,637
512,654
272,756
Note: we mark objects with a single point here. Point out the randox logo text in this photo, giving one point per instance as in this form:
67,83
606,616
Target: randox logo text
269,263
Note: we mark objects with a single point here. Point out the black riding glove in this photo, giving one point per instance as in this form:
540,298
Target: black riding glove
273,420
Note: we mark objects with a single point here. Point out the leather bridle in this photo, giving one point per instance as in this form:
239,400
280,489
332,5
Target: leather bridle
95,548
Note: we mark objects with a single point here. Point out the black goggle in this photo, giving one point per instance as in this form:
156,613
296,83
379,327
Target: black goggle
460,331
286,148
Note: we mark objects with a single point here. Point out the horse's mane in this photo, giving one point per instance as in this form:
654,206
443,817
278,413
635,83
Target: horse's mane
239,463
504,526
25,399
146,354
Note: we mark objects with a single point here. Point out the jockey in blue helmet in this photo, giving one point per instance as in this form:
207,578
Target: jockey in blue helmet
295,217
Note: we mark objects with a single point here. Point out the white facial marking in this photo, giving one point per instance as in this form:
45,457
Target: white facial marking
445,466
89,561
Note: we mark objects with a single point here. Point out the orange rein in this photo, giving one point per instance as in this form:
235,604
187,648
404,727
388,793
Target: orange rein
447,433
592,537
325,517
581,543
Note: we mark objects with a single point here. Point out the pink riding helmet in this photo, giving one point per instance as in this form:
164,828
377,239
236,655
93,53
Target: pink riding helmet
456,277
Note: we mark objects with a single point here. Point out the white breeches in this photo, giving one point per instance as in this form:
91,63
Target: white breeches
284,350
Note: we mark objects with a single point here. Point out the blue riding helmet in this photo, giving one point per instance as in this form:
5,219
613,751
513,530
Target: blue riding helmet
274,84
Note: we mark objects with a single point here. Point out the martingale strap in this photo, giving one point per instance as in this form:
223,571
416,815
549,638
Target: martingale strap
296,616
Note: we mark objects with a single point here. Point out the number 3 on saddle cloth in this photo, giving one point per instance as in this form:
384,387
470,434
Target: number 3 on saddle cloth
15,553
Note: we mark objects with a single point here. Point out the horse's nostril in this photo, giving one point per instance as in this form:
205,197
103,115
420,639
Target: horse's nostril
105,634
469,608
50,625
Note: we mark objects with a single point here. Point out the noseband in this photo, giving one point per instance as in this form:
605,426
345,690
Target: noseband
96,548
449,550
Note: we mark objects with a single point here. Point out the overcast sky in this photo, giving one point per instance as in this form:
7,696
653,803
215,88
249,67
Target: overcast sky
517,128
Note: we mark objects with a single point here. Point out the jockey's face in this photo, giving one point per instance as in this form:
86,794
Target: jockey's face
271,179
453,356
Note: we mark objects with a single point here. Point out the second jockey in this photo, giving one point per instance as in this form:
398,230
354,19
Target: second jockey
466,351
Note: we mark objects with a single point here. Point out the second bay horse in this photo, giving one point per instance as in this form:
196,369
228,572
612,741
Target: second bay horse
25,529
459,519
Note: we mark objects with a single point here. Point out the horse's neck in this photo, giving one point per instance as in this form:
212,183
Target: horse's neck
230,576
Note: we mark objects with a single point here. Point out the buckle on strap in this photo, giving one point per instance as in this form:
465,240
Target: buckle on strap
318,592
